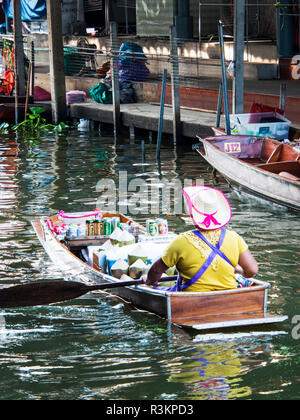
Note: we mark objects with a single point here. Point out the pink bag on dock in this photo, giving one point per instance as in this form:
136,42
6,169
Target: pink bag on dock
76,96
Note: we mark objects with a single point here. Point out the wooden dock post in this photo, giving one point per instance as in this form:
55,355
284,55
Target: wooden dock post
56,58
115,77
175,85
19,57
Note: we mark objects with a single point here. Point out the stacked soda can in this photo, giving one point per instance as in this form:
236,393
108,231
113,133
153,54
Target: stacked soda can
152,227
163,228
72,231
157,227
107,226
116,223
134,228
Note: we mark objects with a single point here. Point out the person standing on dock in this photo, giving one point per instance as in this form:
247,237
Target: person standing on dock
209,257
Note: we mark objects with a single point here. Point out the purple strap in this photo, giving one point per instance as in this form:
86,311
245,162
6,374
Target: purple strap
215,248
215,251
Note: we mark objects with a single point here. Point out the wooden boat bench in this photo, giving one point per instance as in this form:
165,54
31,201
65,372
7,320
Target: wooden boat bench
283,169
85,242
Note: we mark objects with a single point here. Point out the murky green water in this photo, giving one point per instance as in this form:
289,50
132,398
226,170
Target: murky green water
101,349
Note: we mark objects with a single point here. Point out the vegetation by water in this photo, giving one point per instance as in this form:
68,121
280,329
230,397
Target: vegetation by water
34,125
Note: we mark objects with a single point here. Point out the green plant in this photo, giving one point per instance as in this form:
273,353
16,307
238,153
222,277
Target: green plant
4,127
34,125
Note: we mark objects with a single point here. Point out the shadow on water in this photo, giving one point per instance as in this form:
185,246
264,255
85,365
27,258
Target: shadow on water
101,348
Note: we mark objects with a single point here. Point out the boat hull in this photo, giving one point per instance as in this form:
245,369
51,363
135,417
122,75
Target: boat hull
253,179
220,309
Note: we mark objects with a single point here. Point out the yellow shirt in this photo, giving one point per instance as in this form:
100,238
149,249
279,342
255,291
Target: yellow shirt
188,253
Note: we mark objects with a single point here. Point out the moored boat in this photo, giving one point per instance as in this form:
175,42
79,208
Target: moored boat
206,310
261,166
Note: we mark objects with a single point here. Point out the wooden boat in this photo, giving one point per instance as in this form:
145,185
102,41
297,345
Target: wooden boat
261,166
202,311
7,112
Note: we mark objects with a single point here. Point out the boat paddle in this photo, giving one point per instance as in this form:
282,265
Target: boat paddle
45,293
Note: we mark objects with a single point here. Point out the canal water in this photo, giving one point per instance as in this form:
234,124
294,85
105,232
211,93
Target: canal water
100,348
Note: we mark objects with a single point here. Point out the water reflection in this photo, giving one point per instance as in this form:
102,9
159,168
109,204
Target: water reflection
100,348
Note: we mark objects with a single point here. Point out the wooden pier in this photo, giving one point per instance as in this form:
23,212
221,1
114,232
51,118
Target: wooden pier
146,116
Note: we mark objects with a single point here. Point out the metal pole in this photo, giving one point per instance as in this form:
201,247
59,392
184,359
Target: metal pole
282,104
161,119
175,85
239,46
224,80
220,103
126,17
115,77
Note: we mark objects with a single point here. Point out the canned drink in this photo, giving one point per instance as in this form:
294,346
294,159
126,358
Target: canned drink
116,222
96,227
88,227
152,227
92,228
81,231
68,232
72,231
107,226
101,228
135,228
243,282
163,228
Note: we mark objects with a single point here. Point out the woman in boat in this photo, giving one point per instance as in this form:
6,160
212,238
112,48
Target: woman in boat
209,257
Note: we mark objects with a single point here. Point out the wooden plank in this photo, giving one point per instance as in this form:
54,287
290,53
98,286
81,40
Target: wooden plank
277,167
155,303
19,50
234,302
240,323
275,154
38,228
220,318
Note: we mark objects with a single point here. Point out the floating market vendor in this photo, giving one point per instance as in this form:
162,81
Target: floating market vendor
209,257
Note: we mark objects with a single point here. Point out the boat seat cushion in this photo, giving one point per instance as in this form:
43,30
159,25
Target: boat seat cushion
289,176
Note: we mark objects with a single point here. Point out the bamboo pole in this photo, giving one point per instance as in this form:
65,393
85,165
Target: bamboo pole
28,89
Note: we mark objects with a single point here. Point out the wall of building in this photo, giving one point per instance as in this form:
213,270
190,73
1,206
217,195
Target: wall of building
154,17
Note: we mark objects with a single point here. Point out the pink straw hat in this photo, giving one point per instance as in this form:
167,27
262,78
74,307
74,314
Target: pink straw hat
208,207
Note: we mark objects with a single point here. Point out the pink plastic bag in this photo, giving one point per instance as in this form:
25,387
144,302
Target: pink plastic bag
76,96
